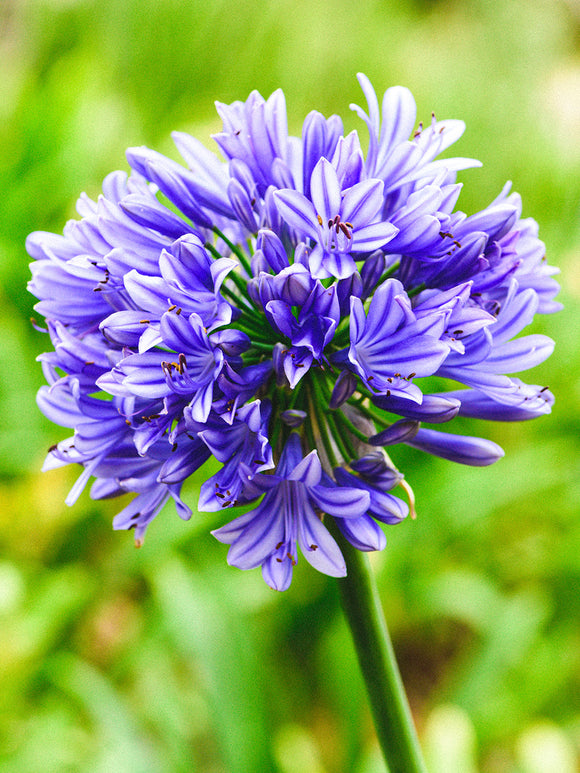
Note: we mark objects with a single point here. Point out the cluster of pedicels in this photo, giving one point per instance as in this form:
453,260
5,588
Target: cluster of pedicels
280,311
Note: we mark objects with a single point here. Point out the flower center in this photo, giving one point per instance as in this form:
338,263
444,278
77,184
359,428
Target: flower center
338,234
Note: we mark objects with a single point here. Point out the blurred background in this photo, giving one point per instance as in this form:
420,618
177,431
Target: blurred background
165,660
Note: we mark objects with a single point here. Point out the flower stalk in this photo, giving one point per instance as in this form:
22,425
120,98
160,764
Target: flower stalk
389,706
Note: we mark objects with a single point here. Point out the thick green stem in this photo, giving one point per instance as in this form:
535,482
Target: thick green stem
390,709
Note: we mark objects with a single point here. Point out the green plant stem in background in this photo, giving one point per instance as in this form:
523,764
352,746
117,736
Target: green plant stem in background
389,705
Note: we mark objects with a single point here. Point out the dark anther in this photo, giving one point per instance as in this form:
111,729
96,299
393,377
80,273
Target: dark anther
53,448
544,389
345,230
411,375
174,447
179,310
457,332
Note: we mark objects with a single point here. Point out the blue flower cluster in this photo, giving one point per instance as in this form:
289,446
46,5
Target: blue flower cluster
280,311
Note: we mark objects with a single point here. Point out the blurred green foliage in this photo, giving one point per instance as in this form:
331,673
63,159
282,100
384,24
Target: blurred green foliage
166,660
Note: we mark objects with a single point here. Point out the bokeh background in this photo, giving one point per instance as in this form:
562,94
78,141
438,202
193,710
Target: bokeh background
165,660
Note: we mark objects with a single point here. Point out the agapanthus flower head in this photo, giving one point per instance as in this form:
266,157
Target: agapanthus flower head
281,309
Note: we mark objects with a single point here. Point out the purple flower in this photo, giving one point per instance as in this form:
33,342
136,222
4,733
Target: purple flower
281,311
364,532
391,345
268,536
340,223
243,444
